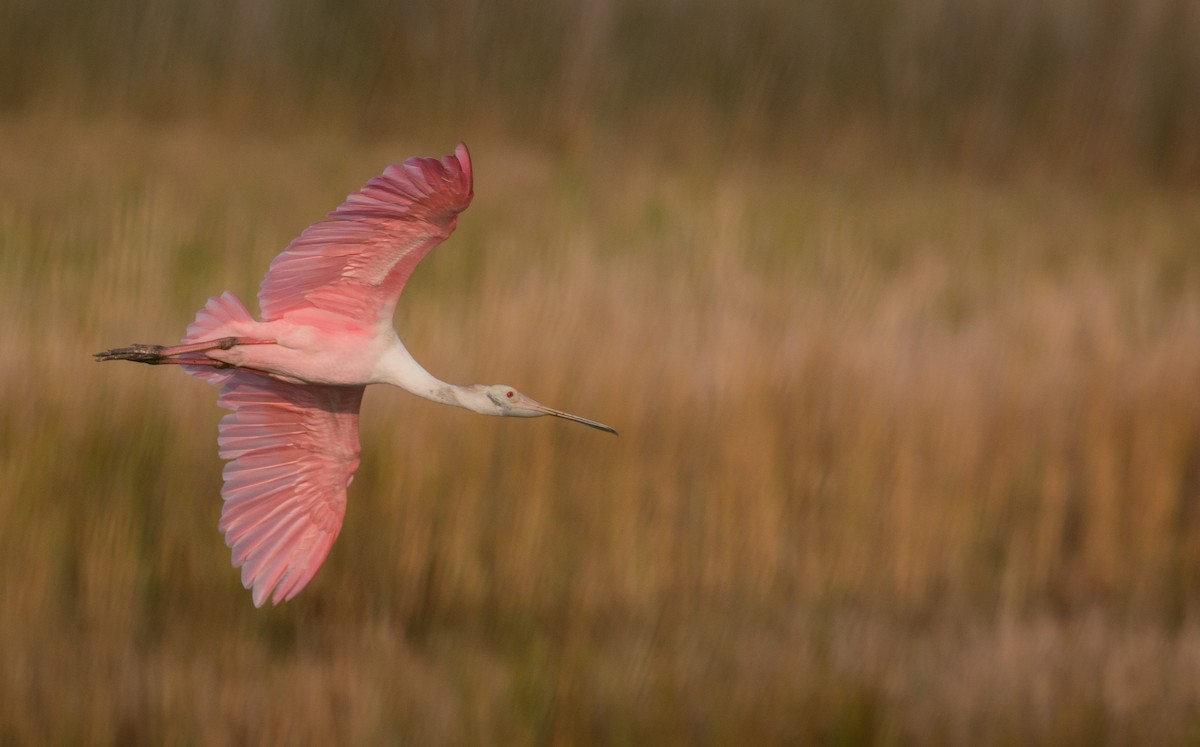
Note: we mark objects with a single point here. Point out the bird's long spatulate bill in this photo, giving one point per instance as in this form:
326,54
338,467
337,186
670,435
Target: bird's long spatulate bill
568,416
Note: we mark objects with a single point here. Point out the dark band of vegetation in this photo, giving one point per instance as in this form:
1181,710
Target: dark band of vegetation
1112,81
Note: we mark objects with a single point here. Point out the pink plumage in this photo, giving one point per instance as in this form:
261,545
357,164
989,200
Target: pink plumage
357,261
294,449
294,380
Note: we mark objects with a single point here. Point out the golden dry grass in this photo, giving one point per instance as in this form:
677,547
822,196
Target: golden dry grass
908,459
905,375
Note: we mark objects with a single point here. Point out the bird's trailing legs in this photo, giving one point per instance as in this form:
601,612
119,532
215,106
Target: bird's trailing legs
160,354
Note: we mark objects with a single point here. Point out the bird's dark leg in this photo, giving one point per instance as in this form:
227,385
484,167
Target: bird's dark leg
160,354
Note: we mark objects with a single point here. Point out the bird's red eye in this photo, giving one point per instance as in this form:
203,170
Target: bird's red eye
509,394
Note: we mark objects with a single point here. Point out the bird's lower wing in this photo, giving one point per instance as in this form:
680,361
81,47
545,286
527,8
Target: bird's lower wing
294,450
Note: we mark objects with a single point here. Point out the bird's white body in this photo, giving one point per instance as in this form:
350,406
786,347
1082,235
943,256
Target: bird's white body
313,350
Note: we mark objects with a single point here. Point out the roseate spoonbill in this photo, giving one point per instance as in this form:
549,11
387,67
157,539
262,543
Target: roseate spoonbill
294,380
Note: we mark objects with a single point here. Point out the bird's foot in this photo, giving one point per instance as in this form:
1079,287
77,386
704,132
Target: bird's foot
151,354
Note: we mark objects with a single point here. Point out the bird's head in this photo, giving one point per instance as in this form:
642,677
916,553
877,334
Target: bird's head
508,401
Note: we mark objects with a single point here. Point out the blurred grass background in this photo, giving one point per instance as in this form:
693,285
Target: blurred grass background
896,304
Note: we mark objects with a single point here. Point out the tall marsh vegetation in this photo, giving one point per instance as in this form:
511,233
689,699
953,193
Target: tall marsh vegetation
895,304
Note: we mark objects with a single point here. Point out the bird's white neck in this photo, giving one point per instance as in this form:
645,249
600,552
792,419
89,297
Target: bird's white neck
397,367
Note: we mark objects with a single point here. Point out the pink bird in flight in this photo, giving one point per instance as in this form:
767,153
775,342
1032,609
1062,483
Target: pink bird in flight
294,380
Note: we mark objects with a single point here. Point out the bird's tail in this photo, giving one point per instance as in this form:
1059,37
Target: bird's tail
223,316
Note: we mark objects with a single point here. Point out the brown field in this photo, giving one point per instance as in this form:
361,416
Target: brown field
900,328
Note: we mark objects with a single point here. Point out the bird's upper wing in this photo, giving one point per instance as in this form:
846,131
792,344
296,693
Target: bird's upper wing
355,262
294,449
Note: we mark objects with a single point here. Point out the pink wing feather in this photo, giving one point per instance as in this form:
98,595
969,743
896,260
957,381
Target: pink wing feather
294,450
356,262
